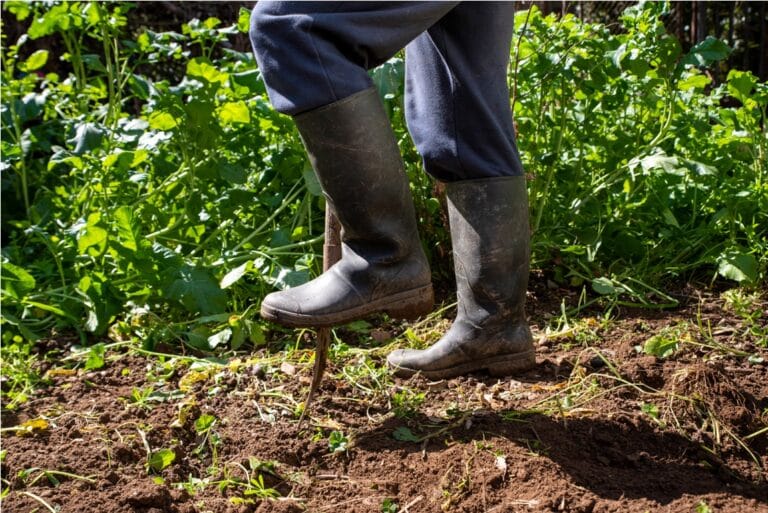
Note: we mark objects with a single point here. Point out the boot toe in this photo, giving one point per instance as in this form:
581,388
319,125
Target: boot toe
279,305
403,362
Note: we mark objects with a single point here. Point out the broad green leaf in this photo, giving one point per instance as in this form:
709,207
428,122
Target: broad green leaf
661,346
88,137
255,334
211,23
404,434
310,178
249,80
197,291
741,84
127,229
19,8
92,236
35,61
120,160
161,459
234,112
235,274
707,52
204,422
17,282
244,20
162,120
660,161
605,286
694,82
219,338
95,357
738,266
201,68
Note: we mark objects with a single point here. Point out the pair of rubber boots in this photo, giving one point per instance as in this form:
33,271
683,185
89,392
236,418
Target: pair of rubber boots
383,268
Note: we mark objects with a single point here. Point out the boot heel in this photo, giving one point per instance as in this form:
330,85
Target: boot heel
416,304
513,364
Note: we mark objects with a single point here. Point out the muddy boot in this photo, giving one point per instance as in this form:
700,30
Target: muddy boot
491,239
383,268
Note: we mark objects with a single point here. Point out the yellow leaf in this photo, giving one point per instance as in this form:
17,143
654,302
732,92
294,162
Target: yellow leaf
32,427
52,373
191,378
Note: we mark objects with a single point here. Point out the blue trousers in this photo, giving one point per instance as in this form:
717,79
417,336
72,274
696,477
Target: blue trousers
456,55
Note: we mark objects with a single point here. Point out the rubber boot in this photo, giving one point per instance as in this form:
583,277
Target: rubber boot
383,268
491,250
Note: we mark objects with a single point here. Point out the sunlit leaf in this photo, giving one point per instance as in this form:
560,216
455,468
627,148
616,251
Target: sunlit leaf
161,459
32,427
35,61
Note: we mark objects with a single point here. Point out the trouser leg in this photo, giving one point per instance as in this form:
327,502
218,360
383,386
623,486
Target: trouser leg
457,97
314,53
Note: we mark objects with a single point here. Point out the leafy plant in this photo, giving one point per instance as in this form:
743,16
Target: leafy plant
160,460
667,341
150,192
389,506
337,442
406,402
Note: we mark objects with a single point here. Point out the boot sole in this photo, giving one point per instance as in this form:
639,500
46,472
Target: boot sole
410,304
496,366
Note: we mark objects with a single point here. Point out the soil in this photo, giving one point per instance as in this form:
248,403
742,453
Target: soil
597,426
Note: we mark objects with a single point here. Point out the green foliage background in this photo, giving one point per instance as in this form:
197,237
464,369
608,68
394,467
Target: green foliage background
144,206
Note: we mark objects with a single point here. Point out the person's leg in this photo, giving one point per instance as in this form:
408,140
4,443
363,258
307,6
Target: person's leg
457,97
312,54
313,57
459,116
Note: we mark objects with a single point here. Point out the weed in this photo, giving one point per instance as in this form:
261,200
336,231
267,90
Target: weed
140,398
337,442
406,402
668,341
389,506
54,477
751,308
253,485
20,379
208,439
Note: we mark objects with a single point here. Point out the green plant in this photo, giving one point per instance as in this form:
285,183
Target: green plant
150,192
337,442
126,202
389,506
406,402
665,343
624,130
160,460
208,438
750,308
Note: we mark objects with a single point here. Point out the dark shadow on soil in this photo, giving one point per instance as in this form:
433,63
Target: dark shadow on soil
619,459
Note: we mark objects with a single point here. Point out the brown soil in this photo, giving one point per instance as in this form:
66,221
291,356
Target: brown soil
485,445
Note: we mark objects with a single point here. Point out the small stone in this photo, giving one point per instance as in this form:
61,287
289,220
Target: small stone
258,371
287,368
380,335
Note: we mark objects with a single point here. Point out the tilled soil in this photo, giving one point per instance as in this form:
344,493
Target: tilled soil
597,426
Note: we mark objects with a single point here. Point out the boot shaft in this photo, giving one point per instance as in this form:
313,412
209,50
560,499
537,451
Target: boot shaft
353,150
490,234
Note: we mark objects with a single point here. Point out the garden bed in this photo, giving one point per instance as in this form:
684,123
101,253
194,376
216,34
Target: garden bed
600,425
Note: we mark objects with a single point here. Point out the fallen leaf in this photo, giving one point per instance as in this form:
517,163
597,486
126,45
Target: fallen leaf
32,427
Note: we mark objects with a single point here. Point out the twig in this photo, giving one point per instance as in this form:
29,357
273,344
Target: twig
40,500
412,503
